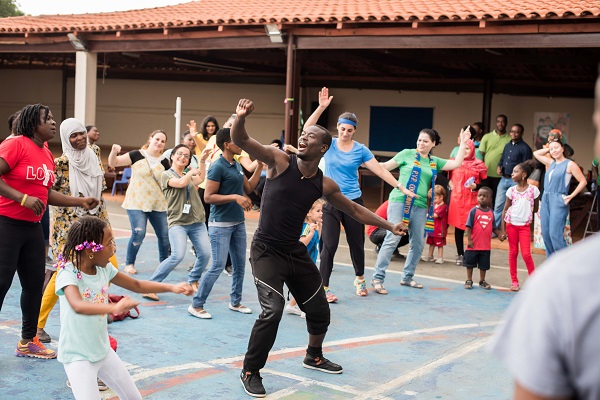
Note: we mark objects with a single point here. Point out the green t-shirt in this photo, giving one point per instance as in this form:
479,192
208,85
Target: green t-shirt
406,161
176,200
492,145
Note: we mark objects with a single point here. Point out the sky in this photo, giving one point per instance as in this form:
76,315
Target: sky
39,7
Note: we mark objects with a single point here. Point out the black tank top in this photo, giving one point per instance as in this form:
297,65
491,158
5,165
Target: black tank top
286,200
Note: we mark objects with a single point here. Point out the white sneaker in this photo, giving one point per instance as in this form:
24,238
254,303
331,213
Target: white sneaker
240,308
295,310
439,261
199,314
427,259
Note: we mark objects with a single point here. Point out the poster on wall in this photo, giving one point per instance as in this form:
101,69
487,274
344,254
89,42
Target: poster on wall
544,122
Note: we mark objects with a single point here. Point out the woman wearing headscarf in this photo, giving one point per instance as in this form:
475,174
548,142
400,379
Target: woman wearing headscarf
78,173
465,181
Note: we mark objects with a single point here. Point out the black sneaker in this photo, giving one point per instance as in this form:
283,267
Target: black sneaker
228,270
252,383
322,364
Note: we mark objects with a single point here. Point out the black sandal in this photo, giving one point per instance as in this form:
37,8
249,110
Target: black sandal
468,284
485,285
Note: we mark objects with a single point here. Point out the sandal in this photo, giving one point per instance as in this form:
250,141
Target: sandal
468,284
485,285
514,287
361,287
378,286
129,269
151,296
413,284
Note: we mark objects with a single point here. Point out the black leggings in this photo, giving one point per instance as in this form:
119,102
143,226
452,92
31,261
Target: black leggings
272,268
22,251
330,238
459,236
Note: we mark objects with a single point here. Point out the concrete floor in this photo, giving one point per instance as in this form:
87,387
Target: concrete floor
425,344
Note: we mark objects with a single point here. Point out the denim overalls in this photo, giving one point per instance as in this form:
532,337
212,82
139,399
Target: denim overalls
553,212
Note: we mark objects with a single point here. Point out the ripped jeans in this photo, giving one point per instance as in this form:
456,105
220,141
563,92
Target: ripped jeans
138,220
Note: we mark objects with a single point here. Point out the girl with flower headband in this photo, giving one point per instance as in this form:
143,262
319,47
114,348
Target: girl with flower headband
418,171
342,161
82,286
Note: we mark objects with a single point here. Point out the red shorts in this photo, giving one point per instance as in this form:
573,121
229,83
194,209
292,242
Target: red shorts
436,241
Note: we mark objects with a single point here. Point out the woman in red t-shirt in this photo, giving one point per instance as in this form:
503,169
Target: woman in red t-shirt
26,178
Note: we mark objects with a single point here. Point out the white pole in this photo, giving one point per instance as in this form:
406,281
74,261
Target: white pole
177,121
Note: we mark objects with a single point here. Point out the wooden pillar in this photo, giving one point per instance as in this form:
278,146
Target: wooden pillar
63,97
292,93
486,116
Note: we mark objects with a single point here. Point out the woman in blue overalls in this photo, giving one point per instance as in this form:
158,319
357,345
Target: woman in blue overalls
556,197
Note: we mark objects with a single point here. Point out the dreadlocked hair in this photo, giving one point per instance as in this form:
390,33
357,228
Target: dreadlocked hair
85,229
30,118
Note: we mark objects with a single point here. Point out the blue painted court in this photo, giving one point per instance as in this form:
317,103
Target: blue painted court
410,344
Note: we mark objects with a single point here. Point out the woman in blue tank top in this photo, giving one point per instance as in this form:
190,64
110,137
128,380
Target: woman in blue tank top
342,162
555,200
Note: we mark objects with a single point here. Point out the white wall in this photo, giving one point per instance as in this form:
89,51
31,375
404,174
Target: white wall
128,110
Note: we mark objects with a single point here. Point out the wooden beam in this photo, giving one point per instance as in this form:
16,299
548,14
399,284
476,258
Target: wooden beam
588,40
259,42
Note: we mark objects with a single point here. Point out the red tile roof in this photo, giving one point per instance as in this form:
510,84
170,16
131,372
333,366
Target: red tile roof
258,12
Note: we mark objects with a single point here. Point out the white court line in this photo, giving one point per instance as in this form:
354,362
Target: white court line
435,278
364,339
166,370
493,266
425,369
305,382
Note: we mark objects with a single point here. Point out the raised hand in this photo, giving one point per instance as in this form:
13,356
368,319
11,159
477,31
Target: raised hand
204,155
244,108
192,127
115,149
465,134
324,98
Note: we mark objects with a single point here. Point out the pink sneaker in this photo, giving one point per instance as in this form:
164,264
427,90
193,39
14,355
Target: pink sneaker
330,296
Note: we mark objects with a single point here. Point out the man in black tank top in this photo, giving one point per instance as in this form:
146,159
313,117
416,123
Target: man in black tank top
276,254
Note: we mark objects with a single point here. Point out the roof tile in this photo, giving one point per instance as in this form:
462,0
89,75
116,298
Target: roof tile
217,12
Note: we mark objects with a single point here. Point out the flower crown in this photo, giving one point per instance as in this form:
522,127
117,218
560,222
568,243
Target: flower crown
89,245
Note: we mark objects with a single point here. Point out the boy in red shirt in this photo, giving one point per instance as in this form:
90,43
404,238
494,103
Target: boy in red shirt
480,225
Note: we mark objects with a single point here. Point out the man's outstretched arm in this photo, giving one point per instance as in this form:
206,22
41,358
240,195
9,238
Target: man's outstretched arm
332,193
267,154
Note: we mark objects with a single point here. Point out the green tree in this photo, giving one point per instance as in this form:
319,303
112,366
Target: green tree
9,8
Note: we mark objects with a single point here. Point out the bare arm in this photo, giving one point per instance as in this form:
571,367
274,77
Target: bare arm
86,308
272,157
212,196
574,169
115,160
540,155
465,135
141,286
469,238
386,176
502,234
332,193
250,184
58,199
193,175
324,101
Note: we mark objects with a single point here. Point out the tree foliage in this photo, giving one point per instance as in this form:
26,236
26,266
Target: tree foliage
9,8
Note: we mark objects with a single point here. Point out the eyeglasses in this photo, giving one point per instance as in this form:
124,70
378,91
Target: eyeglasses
180,154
